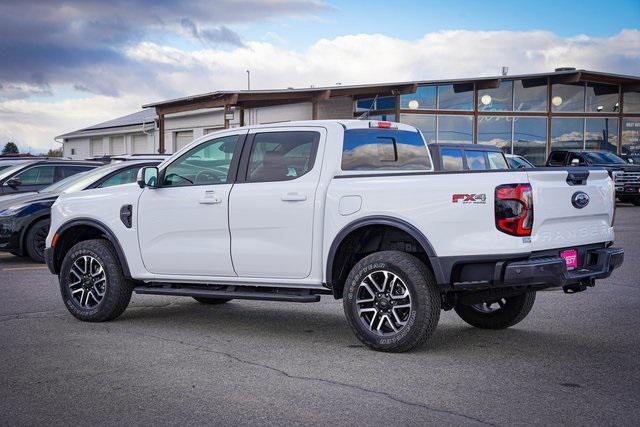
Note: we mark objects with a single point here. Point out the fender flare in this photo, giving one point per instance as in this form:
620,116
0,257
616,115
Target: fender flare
111,237
383,220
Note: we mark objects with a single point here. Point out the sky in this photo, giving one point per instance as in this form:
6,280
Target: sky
68,64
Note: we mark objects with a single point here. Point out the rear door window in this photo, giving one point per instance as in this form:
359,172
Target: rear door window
282,156
384,149
67,171
476,160
497,160
37,175
452,159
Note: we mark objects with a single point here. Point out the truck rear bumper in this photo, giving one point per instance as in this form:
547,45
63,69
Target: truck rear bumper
548,270
553,271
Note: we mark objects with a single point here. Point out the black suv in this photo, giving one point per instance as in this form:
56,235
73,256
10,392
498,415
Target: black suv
625,175
34,175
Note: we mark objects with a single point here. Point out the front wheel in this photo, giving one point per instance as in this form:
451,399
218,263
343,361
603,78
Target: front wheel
497,314
91,282
35,241
392,301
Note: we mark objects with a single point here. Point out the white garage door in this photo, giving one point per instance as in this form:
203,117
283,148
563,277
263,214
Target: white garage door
183,138
116,145
96,148
141,145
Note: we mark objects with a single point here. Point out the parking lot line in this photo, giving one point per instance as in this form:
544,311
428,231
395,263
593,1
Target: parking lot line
40,267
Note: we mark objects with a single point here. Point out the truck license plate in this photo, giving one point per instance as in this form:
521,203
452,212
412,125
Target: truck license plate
570,257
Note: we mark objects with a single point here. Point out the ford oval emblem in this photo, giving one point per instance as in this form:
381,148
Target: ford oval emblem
580,199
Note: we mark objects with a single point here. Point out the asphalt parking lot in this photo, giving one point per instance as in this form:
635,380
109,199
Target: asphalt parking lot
574,360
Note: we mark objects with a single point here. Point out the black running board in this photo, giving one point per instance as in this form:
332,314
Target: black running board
234,292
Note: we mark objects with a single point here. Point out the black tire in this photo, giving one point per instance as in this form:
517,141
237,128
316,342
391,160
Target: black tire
35,240
117,289
509,312
212,301
636,201
425,301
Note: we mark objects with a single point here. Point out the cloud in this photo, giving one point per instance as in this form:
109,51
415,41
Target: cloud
82,42
351,59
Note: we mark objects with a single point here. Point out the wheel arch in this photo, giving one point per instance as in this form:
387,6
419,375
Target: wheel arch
80,229
333,279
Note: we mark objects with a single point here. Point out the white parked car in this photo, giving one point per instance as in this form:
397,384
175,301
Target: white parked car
353,209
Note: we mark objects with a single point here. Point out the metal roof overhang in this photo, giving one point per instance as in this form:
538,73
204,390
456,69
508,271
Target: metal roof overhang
252,99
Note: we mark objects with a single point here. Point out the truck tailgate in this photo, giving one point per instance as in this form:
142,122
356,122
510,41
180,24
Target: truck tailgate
559,221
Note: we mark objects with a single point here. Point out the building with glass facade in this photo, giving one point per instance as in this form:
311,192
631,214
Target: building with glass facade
529,115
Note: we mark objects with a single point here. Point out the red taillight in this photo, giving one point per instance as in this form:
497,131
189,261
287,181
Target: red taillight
514,209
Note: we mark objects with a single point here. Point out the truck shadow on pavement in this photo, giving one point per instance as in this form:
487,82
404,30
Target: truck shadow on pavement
300,326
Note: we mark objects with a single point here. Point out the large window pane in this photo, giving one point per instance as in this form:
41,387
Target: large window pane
602,98
455,129
495,131
530,139
530,95
567,97
455,96
631,102
379,103
423,99
498,99
566,133
602,134
424,122
631,139
371,149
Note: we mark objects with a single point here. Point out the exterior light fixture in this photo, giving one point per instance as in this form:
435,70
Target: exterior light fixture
413,104
485,99
556,100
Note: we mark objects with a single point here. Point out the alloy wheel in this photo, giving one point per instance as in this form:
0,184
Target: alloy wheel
88,281
383,302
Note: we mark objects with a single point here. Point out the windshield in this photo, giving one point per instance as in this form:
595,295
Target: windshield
603,157
11,170
57,186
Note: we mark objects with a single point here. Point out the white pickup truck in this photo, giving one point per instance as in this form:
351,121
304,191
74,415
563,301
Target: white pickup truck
353,209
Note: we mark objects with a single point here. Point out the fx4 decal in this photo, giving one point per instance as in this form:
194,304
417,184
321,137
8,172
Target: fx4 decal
468,199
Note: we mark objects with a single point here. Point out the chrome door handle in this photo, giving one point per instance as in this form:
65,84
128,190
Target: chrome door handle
294,197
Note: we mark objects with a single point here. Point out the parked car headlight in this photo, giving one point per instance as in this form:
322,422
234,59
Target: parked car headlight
10,211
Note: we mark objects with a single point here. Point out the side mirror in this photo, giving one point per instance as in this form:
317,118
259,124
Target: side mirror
575,162
13,183
148,177
630,160
522,166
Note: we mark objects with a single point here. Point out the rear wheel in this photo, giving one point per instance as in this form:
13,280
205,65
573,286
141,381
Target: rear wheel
391,301
212,301
636,201
497,314
91,282
35,240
